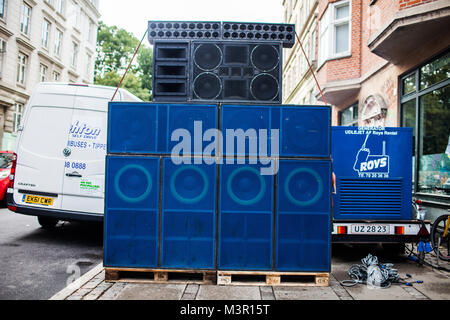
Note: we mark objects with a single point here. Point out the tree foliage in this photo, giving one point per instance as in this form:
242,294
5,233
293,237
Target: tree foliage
115,49
131,82
145,61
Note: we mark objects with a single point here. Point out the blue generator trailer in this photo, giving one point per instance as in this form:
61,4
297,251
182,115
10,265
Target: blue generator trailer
372,196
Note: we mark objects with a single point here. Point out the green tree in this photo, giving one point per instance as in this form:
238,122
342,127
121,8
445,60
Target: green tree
131,82
115,49
145,62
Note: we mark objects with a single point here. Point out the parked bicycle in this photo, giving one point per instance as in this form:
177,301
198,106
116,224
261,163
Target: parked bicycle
440,238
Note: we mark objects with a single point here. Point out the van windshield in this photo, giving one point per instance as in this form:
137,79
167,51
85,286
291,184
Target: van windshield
5,160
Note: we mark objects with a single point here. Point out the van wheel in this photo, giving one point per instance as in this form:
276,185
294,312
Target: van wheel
47,223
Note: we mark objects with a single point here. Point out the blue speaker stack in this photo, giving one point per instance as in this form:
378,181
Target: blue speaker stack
220,184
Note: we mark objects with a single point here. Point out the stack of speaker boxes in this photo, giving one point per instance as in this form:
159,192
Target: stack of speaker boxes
213,207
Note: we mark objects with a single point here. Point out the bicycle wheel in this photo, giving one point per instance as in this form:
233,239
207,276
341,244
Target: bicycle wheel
438,239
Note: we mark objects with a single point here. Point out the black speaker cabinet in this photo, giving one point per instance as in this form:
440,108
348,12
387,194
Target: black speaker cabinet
171,71
218,71
216,31
236,71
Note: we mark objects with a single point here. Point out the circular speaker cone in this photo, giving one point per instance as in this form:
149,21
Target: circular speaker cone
264,87
207,86
207,56
246,186
133,183
189,184
303,187
265,57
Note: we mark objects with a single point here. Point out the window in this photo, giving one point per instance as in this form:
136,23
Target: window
312,99
94,3
56,76
91,31
425,106
60,6
17,116
312,48
88,65
58,43
334,31
74,55
45,33
21,68
2,9
43,73
25,19
349,117
2,55
75,15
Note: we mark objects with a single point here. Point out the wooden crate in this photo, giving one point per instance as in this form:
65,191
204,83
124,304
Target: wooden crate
263,278
137,275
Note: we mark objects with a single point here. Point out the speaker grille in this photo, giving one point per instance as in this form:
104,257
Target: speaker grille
212,30
207,86
246,218
264,87
229,72
265,57
207,56
170,71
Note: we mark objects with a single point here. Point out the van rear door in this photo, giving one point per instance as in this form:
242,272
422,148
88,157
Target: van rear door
40,148
84,168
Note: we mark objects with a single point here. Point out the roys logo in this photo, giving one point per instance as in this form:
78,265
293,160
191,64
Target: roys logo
371,166
374,164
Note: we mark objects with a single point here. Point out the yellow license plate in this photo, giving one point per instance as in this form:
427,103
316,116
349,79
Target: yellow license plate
39,200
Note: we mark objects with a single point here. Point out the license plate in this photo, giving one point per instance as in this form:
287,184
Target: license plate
369,229
38,200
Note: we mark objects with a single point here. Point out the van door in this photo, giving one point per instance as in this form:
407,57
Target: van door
84,168
40,148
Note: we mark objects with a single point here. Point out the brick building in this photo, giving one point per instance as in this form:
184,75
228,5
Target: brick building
42,41
380,63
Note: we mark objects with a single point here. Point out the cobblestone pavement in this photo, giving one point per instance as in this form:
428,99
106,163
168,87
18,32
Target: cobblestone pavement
435,286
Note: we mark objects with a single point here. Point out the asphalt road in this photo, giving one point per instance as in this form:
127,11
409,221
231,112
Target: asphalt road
36,263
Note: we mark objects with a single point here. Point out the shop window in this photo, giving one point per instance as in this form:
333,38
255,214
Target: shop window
425,106
349,117
435,71
409,84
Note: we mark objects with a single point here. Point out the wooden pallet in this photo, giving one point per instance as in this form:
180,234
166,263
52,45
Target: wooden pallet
137,275
263,278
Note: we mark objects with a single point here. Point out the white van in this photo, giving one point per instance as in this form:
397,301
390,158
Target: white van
59,169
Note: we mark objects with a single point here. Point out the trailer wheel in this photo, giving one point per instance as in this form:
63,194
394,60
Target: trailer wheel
394,248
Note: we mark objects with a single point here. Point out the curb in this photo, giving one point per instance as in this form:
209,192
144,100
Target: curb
74,286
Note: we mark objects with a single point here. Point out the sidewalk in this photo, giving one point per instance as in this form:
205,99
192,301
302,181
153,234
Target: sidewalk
92,286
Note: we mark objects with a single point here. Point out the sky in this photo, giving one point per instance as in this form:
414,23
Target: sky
133,15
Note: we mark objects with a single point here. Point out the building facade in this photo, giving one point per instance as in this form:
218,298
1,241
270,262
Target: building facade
381,63
42,41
